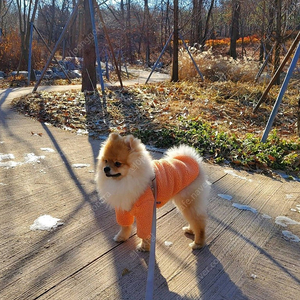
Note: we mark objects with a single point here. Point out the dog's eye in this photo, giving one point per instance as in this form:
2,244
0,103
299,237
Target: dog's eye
118,164
105,161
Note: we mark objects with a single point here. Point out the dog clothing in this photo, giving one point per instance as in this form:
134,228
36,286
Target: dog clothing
172,176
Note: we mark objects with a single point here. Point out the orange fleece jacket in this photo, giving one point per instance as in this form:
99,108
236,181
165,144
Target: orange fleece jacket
172,176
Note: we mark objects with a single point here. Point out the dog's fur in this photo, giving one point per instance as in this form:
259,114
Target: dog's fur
125,170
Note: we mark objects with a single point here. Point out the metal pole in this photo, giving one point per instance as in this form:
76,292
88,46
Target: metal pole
277,73
30,51
43,40
56,46
186,47
157,61
281,93
96,44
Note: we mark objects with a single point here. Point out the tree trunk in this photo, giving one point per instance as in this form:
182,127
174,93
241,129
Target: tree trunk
236,9
129,33
196,26
207,24
89,78
278,4
24,18
146,22
174,77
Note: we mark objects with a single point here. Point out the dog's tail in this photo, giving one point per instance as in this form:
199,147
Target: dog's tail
184,150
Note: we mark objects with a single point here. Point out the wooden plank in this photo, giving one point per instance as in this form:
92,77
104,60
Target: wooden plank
80,260
219,270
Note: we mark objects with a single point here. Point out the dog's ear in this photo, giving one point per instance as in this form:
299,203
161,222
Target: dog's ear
131,141
114,135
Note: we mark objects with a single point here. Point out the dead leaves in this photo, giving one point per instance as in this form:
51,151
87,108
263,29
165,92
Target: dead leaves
226,106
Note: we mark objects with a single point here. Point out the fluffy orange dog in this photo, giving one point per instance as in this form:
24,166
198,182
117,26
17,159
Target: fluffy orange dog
124,176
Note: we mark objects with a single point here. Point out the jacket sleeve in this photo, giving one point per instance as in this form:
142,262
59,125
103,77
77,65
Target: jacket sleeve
124,218
143,212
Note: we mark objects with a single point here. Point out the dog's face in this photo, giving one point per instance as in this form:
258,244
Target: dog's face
114,157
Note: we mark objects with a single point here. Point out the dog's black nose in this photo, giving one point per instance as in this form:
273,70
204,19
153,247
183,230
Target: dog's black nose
106,170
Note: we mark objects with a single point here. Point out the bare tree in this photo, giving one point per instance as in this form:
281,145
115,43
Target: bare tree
236,9
196,24
207,23
146,26
89,78
4,8
175,44
278,40
27,12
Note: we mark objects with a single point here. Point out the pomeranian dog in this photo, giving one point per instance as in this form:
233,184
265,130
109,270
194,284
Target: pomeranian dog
124,178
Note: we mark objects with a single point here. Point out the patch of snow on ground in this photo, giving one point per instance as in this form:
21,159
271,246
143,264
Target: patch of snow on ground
285,221
8,156
76,166
168,244
32,158
6,160
81,132
290,236
266,216
226,197
232,173
244,207
46,222
50,150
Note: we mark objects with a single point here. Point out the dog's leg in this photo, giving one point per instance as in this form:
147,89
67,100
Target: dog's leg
144,245
199,232
123,234
196,221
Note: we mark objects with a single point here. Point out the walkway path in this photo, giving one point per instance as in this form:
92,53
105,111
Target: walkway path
246,257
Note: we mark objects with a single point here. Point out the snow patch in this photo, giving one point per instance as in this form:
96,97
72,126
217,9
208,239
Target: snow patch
6,160
226,197
8,156
265,216
168,244
50,150
232,173
285,221
32,158
290,236
77,166
244,207
46,222
82,132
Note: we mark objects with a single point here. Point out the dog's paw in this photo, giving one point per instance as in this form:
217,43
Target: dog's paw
119,238
123,235
143,246
187,229
195,246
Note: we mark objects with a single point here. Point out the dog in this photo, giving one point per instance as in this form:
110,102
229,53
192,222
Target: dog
124,178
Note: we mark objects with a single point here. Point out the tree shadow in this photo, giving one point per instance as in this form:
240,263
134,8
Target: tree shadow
212,279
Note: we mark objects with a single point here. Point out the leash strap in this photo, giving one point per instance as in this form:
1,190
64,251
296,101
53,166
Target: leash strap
151,266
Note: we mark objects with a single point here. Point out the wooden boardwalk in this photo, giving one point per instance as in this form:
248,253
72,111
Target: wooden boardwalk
246,256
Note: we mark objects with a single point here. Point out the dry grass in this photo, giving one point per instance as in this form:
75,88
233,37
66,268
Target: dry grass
217,67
